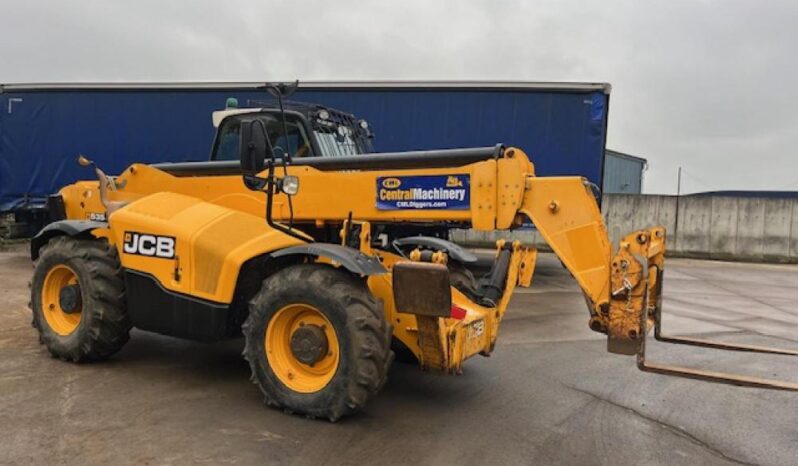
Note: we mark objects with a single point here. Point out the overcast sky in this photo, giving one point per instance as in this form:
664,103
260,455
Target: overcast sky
708,85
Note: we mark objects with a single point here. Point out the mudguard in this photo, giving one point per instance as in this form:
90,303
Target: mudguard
455,251
349,258
62,227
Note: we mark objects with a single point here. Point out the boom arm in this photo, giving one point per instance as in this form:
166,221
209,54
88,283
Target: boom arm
567,216
623,292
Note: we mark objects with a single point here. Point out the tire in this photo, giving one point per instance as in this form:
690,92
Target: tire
359,339
462,279
102,327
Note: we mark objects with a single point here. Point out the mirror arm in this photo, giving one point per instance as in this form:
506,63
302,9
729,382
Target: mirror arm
271,186
105,183
252,152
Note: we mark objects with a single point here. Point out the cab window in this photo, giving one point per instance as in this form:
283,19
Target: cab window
296,142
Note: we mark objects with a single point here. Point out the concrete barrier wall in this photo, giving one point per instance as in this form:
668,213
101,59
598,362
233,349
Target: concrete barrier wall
730,228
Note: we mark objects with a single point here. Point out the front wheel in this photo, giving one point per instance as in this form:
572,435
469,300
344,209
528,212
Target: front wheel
78,299
317,341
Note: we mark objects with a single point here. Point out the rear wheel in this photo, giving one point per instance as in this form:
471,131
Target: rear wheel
77,299
317,341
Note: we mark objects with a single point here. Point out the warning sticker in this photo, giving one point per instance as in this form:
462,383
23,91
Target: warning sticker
439,192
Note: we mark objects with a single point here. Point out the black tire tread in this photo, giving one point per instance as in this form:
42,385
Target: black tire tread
462,279
370,334
109,327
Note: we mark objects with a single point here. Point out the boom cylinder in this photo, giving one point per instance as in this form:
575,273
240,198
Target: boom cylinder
492,289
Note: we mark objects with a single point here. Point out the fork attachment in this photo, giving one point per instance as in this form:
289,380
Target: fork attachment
635,308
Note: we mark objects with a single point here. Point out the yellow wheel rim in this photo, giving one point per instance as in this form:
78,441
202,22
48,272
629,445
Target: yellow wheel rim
295,374
60,321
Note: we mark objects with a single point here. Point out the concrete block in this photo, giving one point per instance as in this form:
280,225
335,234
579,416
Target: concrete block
777,223
723,228
625,213
619,213
661,211
794,233
708,227
750,230
694,223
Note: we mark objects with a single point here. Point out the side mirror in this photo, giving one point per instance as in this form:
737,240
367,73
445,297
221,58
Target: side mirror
254,147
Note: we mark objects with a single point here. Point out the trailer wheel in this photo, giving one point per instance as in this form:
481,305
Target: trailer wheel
317,341
77,300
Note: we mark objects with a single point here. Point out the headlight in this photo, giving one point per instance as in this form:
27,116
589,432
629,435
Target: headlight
363,124
290,185
323,115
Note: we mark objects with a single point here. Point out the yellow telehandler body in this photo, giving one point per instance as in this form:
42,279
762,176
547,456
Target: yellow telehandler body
327,265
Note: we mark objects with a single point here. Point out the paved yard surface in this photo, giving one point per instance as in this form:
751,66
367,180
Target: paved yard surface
549,394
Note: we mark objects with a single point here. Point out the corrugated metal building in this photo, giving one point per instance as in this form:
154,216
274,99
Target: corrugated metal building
623,173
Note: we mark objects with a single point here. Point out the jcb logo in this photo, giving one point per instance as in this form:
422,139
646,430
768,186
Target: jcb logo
143,244
391,183
476,329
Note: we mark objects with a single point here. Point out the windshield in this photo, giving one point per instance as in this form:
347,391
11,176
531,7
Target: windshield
297,143
337,142
336,134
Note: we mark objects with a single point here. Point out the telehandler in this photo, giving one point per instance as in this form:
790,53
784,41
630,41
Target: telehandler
350,263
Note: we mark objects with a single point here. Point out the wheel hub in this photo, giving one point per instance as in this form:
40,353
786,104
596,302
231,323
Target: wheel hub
309,344
301,348
61,303
69,299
